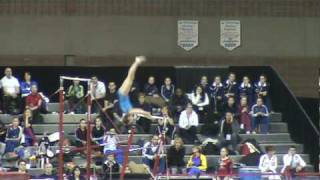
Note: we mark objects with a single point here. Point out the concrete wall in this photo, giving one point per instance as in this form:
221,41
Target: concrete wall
291,44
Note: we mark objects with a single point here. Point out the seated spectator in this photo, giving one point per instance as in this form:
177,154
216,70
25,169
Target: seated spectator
33,102
175,157
260,117
129,123
11,90
98,90
48,173
167,90
262,91
188,123
26,123
14,136
178,103
203,83
246,90
200,101
229,130
268,163
76,174
3,134
166,125
197,163
75,96
110,166
110,101
230,106
292,163
22,166
143,122
98,132
230,87
225,165
151,152
150,88
244,115
81,134
216,93
26,86
112,145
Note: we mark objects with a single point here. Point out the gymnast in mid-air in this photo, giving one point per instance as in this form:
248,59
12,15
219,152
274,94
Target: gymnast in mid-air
123,94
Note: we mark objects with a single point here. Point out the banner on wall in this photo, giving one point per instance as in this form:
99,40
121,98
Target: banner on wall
188,34
230,34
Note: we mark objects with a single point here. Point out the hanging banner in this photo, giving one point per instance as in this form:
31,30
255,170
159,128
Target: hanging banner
230,35
187,34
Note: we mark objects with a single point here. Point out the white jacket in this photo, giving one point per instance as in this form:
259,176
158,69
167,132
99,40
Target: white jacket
185,121
292,161
268,163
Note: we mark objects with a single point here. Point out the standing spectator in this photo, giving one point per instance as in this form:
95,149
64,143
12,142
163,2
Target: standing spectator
26,122
200,101
292,162
14,136
74,96
33,102
166,125
262,91
178,103
188,123
98,132
150,88
81,134
204,84
98,90
216,92
76,174
48,172
151,150
167,90
109,103
225,165
11,89
3,133
244,115
260,115
175,156
144,122
197,163
229,130
230,86
268,163
26,87
246,90
230,106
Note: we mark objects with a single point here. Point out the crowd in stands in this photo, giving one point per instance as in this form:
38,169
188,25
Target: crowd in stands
219,111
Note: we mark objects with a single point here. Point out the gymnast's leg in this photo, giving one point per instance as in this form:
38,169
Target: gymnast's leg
127,83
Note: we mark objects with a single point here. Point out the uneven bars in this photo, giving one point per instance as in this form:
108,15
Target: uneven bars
74,78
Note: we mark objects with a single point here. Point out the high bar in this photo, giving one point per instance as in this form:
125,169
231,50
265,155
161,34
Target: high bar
74,78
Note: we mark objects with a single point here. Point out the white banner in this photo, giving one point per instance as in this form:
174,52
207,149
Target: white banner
230,34
187,34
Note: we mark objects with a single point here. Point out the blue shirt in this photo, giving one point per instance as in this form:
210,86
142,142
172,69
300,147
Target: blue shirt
26,88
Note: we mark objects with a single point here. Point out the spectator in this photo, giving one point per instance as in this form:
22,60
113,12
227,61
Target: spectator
150,88
230,86
98,90
33,102
48,173
129,123
197,163
188,123
175,157
268,163
178,102
151,151
98,132
167,90
229,130
262,91
260,115
112,145
11,89
109,103
14,136
26,123
204,84
246,90
110,166
144,122
22,166
26,86
244,115
230,106
200,101
75,96
216,92
76,174
166,125
225,165
292,162
81,134
3,133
